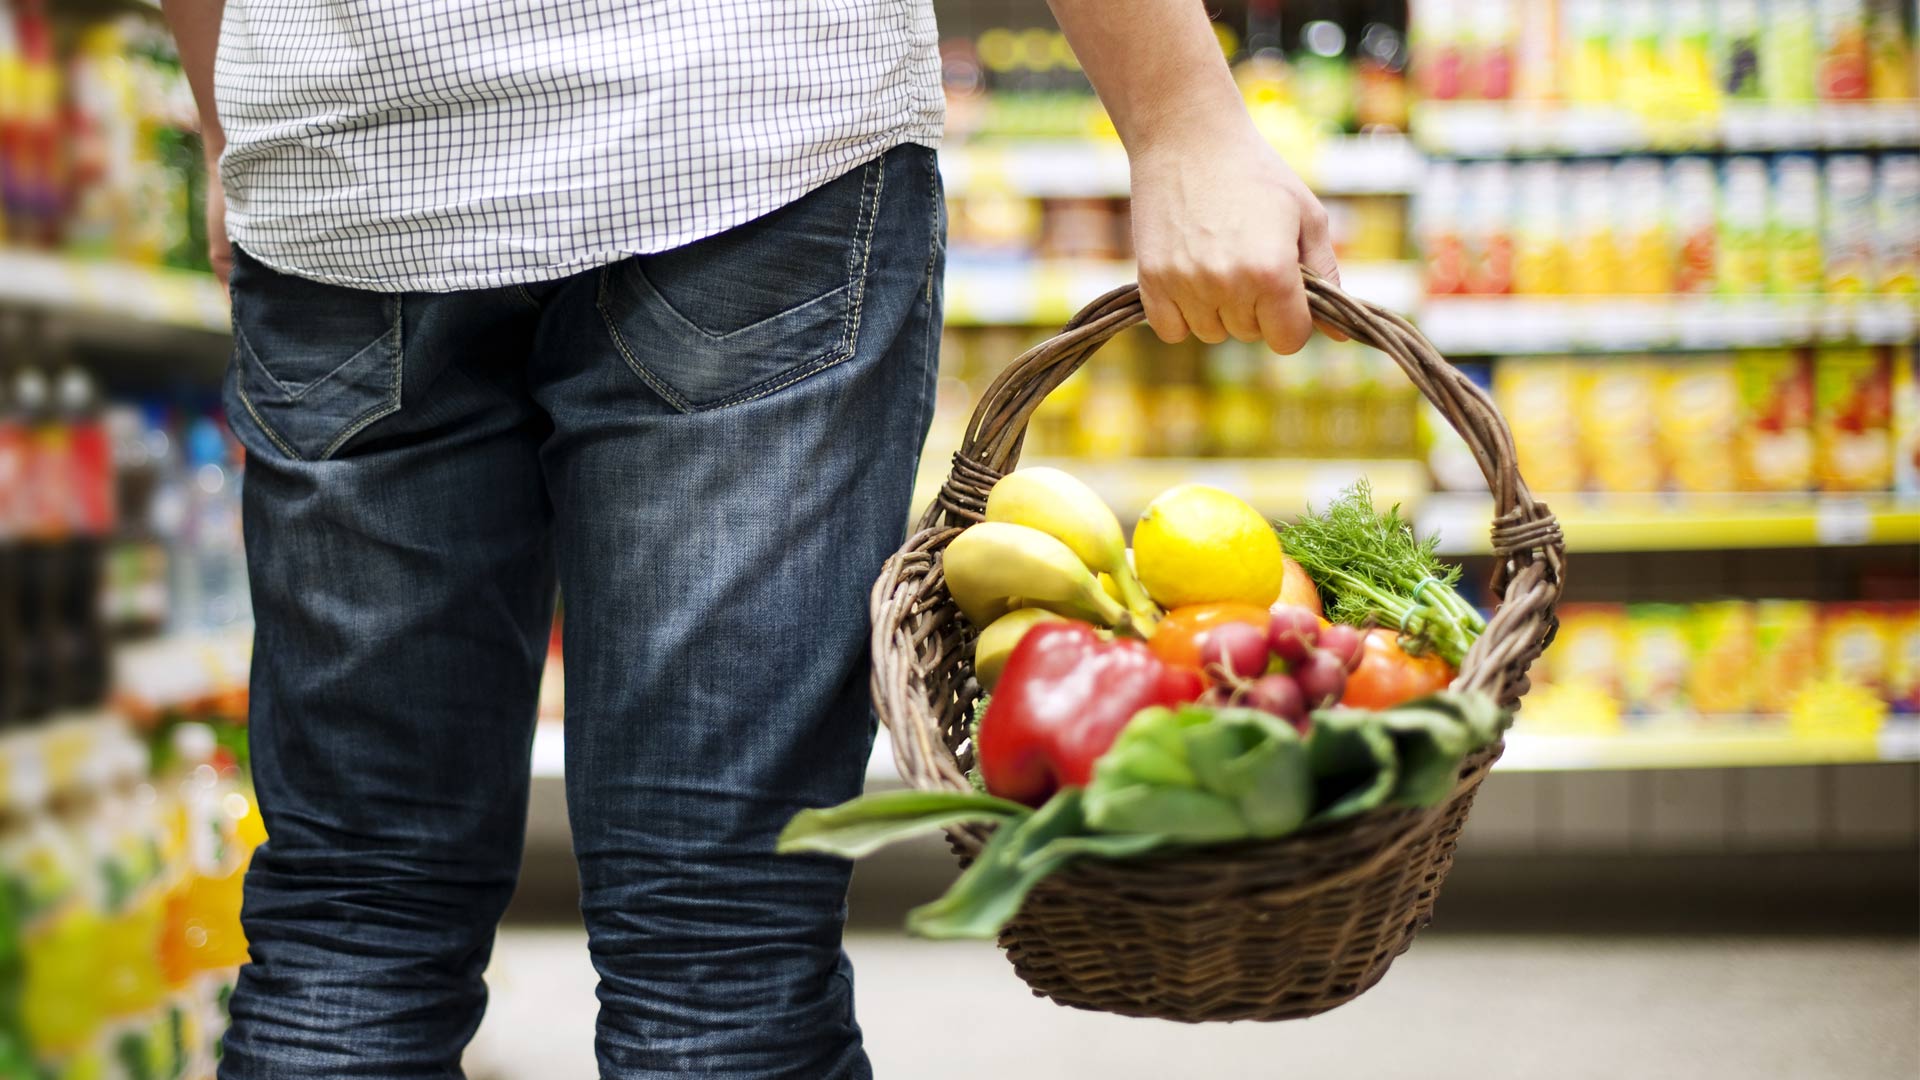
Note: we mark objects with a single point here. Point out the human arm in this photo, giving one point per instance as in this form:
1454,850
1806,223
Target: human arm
196,31
1221,224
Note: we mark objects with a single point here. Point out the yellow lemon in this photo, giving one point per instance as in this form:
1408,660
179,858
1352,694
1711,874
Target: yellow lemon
1199,545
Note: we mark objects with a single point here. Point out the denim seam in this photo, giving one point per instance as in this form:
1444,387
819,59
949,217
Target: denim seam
293,395
520,290
756,324
392,404
272,436
667,393
864,228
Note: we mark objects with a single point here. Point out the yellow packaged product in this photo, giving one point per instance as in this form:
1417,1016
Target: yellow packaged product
1906,420
1616,423
1903,659
1856,645
1537,394
1659,656
1852,417
1786,651
1721,681
1697,416
1776,400
1591,648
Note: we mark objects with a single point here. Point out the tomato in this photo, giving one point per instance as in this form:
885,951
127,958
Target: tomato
1176,640
1388,675
1297,589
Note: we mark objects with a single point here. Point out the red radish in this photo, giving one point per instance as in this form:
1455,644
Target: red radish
1322,680
1276,694
1233,651
1291,633
1345,643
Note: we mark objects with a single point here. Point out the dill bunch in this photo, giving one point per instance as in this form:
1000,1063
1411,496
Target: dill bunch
1373,570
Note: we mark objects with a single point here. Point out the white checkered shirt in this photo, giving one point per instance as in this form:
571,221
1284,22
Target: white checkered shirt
456,144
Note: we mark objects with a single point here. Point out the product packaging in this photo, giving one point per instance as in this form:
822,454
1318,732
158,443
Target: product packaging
1537,394
1786,635
1590,648
1698,415
1588,29
1794,263
1789,43
1776,396
1849,229
1659,658
1720,682
1490,239
1539,241
1742,264
1593,255
1737,48
1856,645
1897,223
1906,420
1890,50
1646,236
1842,72
1695,201
1853,418
1903,669
1616,427
1438,220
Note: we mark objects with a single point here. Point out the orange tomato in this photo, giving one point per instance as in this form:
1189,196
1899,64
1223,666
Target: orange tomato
1176,640
1297,589
1388,675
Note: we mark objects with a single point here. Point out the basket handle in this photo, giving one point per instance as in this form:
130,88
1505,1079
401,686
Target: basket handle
1530,556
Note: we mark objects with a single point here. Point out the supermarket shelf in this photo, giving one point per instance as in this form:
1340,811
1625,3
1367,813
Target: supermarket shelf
1047,292
1498,325
123,291
1097,168
1697,522
180,669
1280,488
1725,744
1499,129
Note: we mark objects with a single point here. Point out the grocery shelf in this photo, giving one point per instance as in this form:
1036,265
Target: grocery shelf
1277,487
1097,168
1692,522
1047,292
130,292
1499,325
1500,129
180,669
1722,743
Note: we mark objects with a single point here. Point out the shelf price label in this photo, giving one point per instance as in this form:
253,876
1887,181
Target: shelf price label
1843,522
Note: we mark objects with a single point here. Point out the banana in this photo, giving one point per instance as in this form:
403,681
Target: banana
991,564
998,639
1060,505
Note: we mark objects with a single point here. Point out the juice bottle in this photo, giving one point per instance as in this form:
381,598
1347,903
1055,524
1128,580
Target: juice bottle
1644,228
1439,49
1852,418
1687,55
1842,73
1849,231
128,851
1788,44
1737,49
1490,76
62,936
1539,237
1693,188
1588,37
1890,67
1742,268
1776,398
1896,210
1593,257
1640,73
1795,259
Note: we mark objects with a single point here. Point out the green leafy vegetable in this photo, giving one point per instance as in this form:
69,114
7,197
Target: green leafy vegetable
1373,569
1202,775
871,822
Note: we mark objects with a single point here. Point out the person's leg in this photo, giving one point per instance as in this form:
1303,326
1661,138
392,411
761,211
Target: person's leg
398,545
737,428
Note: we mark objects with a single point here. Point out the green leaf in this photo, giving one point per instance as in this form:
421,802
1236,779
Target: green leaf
1020,856
1189,814
870,822
1353,763
1152,748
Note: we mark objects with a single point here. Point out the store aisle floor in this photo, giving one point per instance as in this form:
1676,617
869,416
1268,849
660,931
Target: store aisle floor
1472,1007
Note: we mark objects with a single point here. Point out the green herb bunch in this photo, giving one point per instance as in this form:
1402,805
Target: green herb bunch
1373,570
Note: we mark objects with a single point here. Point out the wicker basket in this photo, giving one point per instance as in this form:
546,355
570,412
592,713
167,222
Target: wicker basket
1256,931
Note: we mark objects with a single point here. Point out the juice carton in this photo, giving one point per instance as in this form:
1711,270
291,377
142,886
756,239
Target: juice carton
1786,638
1737,48
1591,648
1721,682
1906,420
1494,32
1686,51
1856,645
1697,413
1896,211
1852,419
1890,67
1903,672
1538,396
1593,257
1794,265
1842,72
1540,241
1776,399
1789,40
1438,220
1439,49
1694,191
1616,428
1742,265
1659,657
1589,53
1640,72
1849,234
1490,240
1644,230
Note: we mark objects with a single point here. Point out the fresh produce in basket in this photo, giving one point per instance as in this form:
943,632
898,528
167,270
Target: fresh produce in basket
1221,727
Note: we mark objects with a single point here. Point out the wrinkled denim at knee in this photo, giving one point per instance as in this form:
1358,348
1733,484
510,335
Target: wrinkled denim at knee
710,451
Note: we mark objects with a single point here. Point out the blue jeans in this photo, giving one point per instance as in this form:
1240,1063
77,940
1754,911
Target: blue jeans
710,451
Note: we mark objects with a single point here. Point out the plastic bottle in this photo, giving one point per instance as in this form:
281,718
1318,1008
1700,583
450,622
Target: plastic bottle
90,512
42,532
213,562
13,455
62,943
128,853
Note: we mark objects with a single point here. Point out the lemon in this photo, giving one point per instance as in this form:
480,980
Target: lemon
1200,545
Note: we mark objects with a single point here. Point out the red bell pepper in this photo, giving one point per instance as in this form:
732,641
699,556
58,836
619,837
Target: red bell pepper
1060,702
